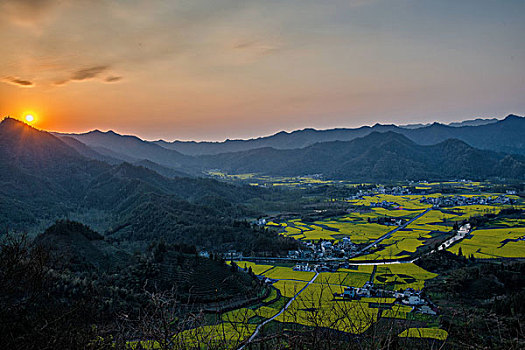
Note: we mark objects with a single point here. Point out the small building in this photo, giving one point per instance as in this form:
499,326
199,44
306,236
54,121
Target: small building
463,230
413,300
301,267
427,310
204,254
350,293
232,255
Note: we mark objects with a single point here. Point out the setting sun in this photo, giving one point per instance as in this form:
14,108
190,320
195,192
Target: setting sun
29,118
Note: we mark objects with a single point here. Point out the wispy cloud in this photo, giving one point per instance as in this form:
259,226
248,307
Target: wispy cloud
89,73
112,79
18,82
28,12
257,46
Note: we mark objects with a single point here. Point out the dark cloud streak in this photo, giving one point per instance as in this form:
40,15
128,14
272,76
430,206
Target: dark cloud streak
18,82
88,73
112,79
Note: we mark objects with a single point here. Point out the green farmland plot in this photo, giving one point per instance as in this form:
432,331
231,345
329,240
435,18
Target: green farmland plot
333,230
432,333
397,311
287,273
402,276
493,243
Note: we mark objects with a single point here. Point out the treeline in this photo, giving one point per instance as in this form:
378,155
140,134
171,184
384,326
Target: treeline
482,303
47,304
215,226
483,220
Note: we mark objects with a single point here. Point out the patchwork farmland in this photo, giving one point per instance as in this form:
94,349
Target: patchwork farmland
360,269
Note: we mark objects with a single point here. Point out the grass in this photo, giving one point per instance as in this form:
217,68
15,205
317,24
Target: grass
356,279
403,276
222,335
287,273
490,243
332,278
238,315
397,311
398,245
256,268
271,296
378,300
404,202
348,316
266,311
509,222
432,333
468,211
434,220
289,288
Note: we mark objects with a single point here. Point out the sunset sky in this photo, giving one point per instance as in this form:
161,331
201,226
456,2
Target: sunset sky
217,69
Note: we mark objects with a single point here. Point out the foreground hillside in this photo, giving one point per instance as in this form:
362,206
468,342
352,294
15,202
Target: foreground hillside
70,289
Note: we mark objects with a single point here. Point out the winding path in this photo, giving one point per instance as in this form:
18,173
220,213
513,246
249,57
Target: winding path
260,326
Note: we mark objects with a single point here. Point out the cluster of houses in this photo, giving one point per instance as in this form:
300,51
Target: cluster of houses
232,255
367,290
260,222
389,221
325,250
414,298
464,230
395,190
325,267
458,200
409,297
382,204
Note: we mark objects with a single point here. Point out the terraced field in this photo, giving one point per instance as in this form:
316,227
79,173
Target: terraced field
432,333
224,335
493,243
317,306
397,311
402,276
287,273
333,230
257,269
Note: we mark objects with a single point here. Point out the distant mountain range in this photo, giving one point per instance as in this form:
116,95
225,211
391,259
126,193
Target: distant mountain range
501,135
375,157
377,153
471,122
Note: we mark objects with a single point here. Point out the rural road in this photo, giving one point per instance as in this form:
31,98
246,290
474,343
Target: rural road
390,233
259,327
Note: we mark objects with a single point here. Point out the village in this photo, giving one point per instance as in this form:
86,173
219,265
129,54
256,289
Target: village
458,200
409,297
